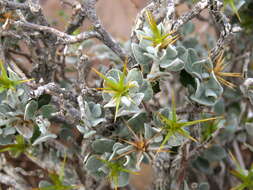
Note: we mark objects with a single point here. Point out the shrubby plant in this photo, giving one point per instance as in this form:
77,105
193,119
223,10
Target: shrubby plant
95,129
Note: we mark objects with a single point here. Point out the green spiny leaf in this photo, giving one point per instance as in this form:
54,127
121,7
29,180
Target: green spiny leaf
7,83
232,5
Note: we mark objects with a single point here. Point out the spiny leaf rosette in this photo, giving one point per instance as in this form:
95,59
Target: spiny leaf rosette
173,127
144,144
158,35
156,46
116,169
124,90
219,67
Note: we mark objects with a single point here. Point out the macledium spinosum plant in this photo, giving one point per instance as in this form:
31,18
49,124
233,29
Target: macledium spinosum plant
82,109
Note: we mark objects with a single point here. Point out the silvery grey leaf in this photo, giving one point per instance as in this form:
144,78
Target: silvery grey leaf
30,110
24,128
44,138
